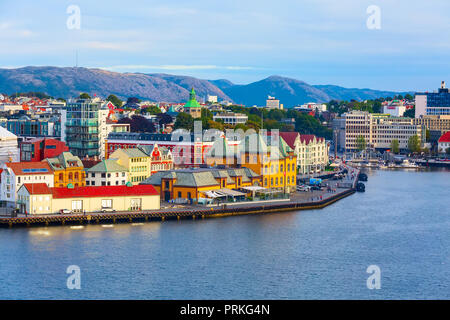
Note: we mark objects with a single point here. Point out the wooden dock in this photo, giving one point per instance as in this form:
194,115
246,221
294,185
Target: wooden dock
161,215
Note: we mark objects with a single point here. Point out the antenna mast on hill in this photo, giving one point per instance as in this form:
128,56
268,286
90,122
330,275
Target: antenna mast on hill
76,58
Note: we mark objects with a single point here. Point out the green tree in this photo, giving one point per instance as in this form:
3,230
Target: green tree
361,143
410,113
154,110
184,121
409,97
395,146
428,135
114,100
85,96
414,143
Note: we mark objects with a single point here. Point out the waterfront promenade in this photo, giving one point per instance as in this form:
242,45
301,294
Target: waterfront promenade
298,201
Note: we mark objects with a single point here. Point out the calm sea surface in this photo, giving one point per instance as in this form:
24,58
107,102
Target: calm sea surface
401,224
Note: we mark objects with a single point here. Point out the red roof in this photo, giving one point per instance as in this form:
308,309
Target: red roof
445,137
289,138
104,191
28,168
37,188
307,138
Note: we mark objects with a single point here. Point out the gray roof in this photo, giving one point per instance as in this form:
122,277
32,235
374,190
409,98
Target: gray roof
187,178
200,177
109,165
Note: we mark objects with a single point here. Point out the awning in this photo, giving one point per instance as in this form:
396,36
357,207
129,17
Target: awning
213,194
253,188
229,192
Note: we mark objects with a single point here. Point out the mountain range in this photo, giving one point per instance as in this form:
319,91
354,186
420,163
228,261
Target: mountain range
69,82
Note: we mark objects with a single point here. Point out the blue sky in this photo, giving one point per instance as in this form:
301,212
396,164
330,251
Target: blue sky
317,41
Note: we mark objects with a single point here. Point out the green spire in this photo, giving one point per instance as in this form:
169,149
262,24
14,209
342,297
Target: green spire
192,103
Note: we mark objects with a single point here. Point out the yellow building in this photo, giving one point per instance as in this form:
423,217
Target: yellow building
40,199
137,163
274,161
192,184
68,170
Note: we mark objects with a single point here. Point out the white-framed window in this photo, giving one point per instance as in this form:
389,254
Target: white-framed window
106,203
77,205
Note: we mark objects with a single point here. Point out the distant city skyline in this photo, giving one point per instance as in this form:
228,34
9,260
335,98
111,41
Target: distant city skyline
319,42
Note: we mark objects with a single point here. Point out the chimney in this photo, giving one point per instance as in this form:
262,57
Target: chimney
443,85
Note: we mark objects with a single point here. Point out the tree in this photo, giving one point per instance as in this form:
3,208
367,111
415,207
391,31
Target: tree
139,124
409,97
361,143
414,143
133,100
114,100
395,146
85,96
428,135
410,113
154,110
184,121
447,151
164,118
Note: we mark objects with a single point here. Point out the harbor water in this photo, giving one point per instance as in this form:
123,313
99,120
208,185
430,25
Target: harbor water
401,224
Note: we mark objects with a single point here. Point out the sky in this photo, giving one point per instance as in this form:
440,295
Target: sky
317,41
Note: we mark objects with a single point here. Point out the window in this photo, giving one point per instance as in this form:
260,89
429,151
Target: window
106,203
77,205
135,204
189,195
179,194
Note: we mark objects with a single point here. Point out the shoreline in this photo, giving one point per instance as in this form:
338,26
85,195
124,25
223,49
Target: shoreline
159,215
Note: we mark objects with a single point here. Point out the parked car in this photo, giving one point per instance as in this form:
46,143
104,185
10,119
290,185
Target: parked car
104,210
303,188
316,188
65,211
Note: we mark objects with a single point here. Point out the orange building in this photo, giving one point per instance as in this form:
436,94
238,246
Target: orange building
68,170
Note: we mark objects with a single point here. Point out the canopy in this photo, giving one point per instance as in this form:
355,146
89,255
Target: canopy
229,192
253,188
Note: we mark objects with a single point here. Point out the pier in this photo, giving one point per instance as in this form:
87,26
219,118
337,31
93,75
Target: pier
162,215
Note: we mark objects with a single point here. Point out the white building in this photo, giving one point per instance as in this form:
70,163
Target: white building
107,173
231,118
9,150
15,174
378,131
211,99
311,151
444,142
395,108
272,103
312,106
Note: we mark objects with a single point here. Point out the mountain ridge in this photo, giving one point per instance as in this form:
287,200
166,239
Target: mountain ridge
69,82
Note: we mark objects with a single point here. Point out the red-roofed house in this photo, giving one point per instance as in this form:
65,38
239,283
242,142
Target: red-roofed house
311,151
444,142
39,199
15,174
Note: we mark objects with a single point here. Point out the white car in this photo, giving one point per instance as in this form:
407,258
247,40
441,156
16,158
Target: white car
104,210
65,211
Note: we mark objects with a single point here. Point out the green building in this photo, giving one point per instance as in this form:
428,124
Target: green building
82,128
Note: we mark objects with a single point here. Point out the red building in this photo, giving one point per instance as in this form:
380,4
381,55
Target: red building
38,149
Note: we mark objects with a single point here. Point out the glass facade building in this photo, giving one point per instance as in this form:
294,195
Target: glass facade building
82,128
